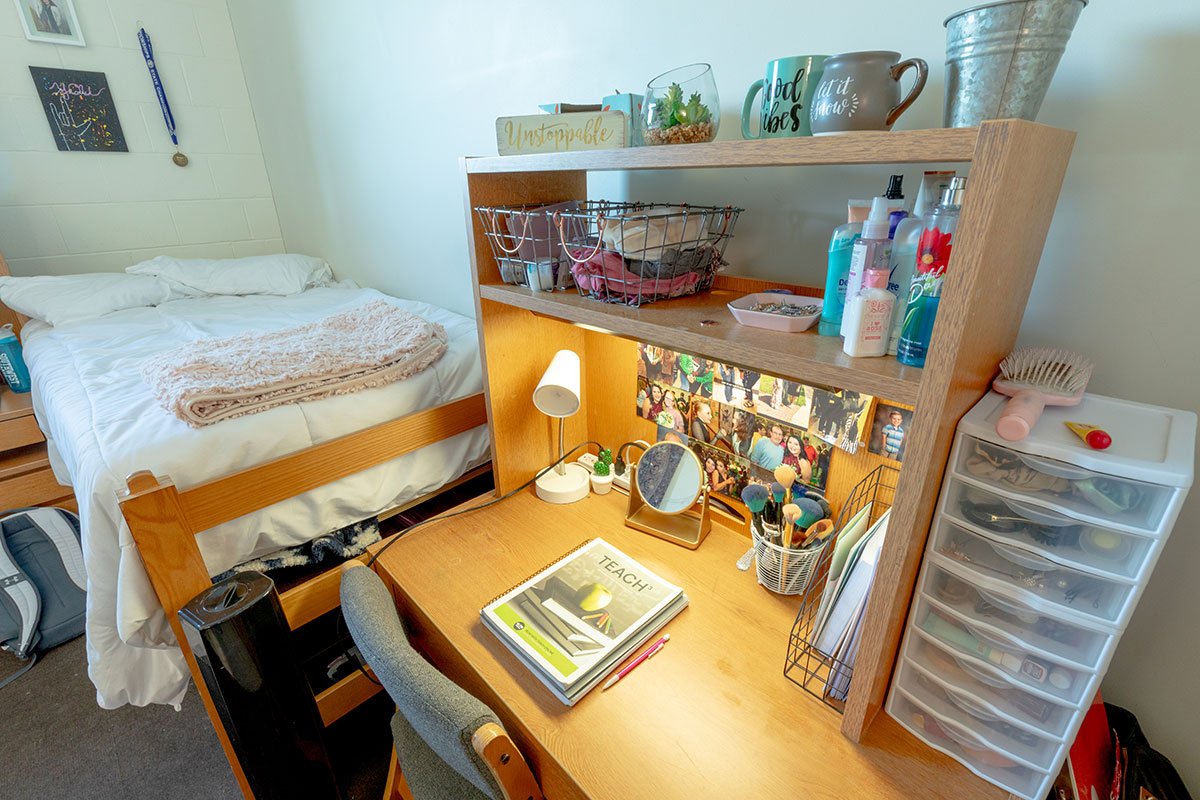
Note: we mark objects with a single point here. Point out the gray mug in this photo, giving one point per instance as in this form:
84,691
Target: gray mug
861,92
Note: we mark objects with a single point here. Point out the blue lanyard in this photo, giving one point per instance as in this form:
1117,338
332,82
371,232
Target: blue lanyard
148,54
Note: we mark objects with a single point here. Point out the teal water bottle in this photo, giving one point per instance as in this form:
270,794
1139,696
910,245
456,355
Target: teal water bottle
12,365
841,245
925,294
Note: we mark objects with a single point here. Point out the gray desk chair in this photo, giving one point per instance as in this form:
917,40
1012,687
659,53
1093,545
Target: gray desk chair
450,745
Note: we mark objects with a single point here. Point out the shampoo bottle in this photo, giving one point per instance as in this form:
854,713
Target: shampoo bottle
933,255
868,315
840,247
872,251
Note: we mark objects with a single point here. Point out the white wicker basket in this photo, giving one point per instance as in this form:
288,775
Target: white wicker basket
784,570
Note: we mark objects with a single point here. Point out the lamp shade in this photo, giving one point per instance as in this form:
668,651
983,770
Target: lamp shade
557,394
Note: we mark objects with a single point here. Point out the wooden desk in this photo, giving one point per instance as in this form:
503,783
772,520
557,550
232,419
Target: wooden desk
710,716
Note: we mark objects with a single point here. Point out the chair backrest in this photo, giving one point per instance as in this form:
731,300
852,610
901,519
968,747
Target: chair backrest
440,730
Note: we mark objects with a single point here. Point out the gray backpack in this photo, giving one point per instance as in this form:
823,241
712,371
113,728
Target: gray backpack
42,582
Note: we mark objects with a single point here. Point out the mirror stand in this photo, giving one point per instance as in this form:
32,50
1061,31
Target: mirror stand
686,529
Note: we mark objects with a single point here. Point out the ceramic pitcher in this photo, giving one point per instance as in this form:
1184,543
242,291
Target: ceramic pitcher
861,92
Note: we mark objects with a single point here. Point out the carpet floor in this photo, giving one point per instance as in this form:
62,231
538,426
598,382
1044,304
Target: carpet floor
57,743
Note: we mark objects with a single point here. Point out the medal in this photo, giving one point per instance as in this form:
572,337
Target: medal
148,53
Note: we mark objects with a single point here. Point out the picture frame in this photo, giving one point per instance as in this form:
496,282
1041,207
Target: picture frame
50,21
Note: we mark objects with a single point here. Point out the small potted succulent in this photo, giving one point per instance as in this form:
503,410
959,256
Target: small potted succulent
681,107
602,478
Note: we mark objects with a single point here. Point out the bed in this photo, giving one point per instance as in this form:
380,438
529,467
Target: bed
103,425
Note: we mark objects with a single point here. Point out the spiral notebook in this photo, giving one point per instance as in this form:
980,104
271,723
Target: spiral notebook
575,620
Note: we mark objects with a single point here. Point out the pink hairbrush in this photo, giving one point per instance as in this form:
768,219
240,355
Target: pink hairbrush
1036,377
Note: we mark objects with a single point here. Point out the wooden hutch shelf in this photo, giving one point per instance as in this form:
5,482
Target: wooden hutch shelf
676,324
1016,172
873,147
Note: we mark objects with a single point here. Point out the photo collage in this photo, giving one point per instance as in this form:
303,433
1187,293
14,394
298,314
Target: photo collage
743,424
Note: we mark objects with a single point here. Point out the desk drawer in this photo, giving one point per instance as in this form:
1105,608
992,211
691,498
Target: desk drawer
967,748
31,489
1083,647
1059,591
1033,749
995,697
1089,496
1062,539
1002,665
19,432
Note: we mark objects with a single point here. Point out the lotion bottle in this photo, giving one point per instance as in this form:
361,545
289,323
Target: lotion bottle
868,316
872,251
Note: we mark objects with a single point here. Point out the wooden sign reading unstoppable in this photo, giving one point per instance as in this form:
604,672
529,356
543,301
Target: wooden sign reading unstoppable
557,133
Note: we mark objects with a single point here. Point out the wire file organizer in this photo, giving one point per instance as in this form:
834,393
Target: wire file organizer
819,673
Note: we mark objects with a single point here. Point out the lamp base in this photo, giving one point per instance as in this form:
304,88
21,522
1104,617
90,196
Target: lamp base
566,488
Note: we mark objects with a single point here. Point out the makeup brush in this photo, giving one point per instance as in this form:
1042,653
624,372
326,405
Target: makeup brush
786,477
779,495
791,513
818,532
1036,377
811,511
755,498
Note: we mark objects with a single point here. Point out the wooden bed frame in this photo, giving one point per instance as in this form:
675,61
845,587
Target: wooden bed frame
164,522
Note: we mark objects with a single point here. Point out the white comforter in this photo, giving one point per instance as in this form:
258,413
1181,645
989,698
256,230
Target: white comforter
104,423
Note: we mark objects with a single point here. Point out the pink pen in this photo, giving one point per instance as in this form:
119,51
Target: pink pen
654,648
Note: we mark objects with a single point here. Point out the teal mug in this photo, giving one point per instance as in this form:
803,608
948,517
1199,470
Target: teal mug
787,93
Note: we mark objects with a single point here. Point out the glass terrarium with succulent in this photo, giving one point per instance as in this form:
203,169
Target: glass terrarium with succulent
681,107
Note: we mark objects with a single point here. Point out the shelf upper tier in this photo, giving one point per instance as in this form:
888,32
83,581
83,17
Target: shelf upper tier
872,147
676,324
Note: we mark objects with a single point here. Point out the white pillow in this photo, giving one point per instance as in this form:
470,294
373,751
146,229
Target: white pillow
275,274
56,299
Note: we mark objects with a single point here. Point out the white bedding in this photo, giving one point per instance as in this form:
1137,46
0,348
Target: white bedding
105,423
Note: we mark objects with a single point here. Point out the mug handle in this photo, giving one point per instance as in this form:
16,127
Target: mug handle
897,71
754,87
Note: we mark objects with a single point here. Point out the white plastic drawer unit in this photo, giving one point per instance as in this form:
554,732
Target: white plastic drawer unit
1079,646
965,746
1108,552
1030,578
1027,747
1037,555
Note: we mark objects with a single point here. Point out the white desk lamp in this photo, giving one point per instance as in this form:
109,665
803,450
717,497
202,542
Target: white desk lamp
557,395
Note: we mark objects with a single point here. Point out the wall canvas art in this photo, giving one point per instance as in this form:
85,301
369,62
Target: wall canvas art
52,21
79,108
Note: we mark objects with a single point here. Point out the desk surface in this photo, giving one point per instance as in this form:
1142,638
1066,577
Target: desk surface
710,716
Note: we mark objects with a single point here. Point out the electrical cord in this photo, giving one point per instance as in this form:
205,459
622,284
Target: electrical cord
619,463
491,502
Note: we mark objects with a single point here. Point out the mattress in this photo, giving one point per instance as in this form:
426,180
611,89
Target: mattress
104,423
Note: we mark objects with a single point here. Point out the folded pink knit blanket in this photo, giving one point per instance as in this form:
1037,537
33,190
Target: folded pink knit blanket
216,379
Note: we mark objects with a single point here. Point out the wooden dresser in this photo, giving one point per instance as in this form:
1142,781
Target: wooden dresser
25,475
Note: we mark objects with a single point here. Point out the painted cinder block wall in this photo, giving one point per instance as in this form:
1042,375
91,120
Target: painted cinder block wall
87,212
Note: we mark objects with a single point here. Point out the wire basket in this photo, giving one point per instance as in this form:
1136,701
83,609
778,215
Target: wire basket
527,244
819,673
784,570
636,253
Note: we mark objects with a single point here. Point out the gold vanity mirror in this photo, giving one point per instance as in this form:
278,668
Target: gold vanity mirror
664,490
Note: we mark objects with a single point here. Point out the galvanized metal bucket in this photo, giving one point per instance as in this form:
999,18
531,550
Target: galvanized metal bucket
1000,58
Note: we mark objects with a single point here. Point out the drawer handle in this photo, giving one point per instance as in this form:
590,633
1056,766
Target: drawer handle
1039,515
1023,558
1056,468
969,705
